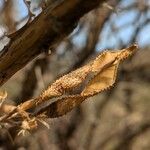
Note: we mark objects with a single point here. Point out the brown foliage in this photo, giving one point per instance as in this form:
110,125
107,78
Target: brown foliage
69,91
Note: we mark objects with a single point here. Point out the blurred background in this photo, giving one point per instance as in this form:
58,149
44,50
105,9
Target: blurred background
118,119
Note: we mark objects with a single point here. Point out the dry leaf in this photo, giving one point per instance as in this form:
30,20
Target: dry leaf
98,75
91,79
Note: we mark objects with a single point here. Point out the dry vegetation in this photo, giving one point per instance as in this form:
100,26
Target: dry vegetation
85,82
49,91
